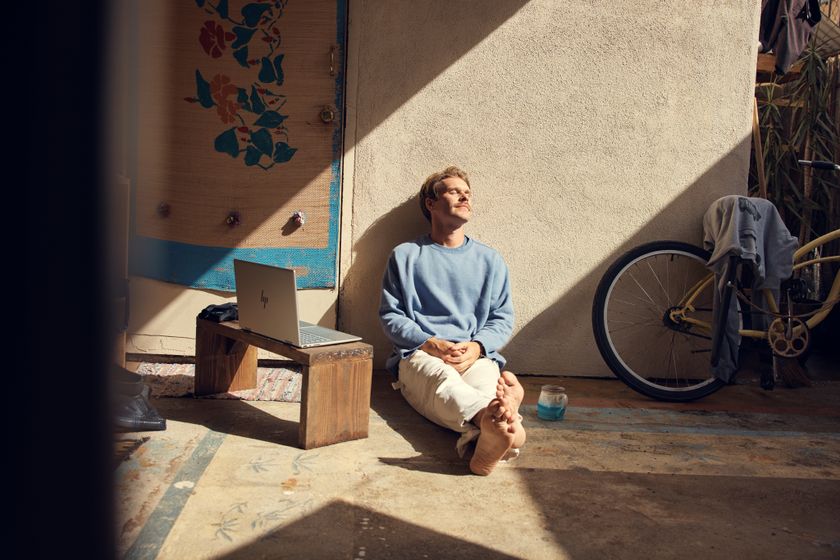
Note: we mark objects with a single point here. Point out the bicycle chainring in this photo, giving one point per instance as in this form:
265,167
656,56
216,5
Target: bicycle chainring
788,337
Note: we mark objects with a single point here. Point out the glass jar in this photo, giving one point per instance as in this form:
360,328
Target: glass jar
552,402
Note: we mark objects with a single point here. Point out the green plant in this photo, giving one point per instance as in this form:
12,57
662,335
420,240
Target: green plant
797,119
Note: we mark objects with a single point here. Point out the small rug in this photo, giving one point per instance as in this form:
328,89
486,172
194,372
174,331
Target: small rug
177,380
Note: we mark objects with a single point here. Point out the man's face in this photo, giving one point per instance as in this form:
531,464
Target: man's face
453,204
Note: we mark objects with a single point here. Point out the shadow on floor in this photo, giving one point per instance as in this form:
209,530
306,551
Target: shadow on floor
435,445
358,532
598,515
631,515
232,417
613,508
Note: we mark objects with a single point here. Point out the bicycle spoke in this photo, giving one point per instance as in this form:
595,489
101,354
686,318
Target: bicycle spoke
643,290
640,302
689,333
637,323
656,277
672,359
676,365
635,313
627,326
646,302
656,350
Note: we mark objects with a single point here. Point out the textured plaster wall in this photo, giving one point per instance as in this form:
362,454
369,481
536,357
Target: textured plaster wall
587,128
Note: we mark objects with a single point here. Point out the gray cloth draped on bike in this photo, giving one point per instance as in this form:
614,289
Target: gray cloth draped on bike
751,229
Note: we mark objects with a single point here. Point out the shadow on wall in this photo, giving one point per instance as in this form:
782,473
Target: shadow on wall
405,28
442,30
558,340
364,277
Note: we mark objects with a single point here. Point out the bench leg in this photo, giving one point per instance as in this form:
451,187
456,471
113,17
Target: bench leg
223,364
335,402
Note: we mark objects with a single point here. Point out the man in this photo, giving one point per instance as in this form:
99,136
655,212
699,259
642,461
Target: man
446,307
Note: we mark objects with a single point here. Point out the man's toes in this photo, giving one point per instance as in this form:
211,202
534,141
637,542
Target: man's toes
505,415
498,414
493,443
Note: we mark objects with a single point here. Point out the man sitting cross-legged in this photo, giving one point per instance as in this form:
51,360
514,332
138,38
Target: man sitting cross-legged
446,307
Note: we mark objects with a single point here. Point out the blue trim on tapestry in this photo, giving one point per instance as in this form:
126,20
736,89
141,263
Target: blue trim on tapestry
211,268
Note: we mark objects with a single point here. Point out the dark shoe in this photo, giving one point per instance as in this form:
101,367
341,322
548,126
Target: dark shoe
122,375
127,383
127,391
136,414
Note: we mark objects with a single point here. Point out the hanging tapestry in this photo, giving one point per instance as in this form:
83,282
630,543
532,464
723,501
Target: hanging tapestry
237,137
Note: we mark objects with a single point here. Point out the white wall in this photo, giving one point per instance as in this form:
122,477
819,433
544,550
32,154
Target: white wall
587,128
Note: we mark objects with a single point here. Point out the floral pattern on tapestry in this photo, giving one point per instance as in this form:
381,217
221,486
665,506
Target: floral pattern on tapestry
253,41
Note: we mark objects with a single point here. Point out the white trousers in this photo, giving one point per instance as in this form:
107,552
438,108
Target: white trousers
437,391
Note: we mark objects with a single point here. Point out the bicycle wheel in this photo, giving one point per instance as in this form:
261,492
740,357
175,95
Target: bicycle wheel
636,331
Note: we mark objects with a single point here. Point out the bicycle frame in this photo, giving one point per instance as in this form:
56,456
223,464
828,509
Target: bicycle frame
683,311
642,297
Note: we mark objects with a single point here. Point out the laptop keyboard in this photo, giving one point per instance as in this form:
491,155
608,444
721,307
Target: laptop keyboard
312,338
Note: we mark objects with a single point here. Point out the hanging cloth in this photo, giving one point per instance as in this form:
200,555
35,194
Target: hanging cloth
786,28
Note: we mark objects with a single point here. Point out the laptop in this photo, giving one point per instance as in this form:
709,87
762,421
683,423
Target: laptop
267,299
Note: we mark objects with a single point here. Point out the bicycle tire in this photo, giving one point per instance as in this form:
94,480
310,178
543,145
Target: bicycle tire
625,328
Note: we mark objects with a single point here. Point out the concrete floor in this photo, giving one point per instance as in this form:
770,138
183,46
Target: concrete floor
745,473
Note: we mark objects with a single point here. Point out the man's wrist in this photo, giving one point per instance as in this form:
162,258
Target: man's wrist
429,344
481,352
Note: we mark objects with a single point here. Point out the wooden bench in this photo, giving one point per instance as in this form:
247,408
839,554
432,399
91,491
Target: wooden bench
335,397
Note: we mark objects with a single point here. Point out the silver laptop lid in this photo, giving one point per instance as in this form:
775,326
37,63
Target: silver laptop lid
267,299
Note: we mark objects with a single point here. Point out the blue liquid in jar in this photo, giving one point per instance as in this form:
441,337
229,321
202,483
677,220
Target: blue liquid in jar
551,412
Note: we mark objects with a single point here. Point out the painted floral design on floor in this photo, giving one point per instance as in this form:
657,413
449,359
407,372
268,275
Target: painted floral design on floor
244,519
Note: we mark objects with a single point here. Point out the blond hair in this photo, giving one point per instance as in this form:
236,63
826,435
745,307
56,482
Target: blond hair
431,186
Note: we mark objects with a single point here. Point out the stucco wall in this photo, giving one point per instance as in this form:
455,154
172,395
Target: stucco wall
587,128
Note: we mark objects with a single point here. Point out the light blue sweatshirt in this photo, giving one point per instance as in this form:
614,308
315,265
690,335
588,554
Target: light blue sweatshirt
459,295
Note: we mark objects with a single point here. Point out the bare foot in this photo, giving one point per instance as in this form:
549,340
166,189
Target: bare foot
494,441
518,431
510,389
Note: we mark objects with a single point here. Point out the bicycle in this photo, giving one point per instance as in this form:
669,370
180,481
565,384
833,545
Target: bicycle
653,320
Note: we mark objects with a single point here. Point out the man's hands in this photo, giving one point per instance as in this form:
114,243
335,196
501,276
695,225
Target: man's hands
463,355
459,355
437,347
